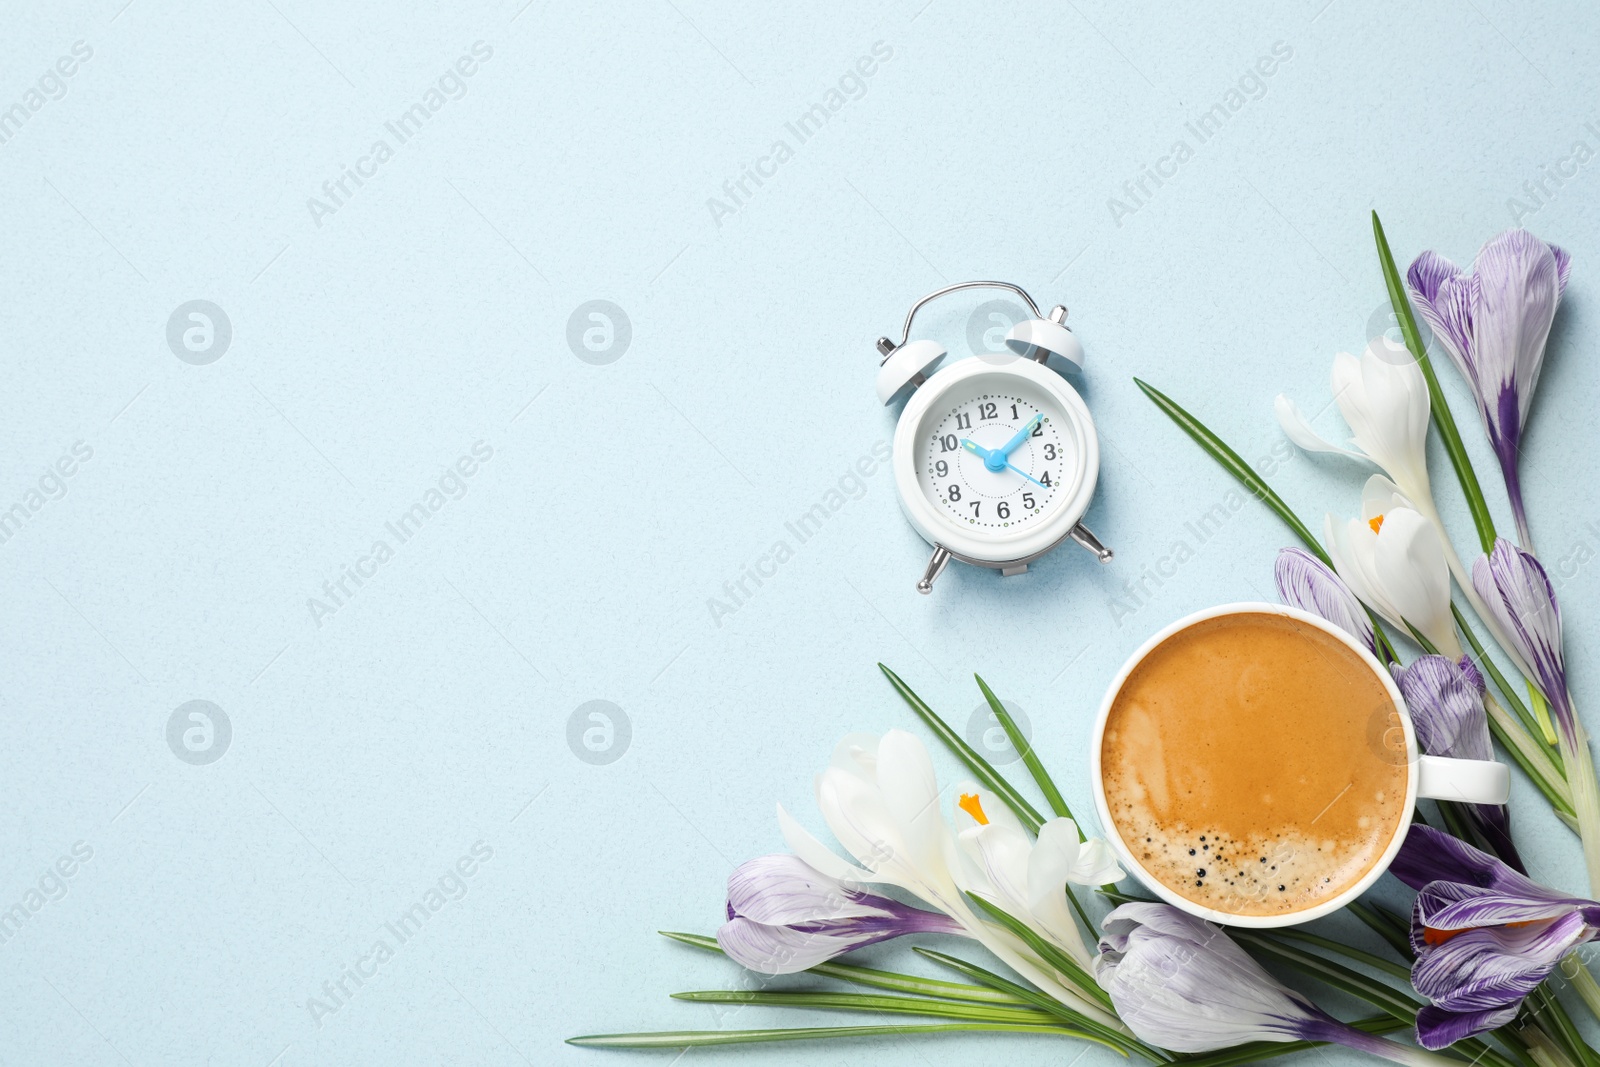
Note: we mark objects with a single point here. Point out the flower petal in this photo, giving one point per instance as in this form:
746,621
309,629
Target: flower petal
1305,582
782,889
1298,429
1438,1028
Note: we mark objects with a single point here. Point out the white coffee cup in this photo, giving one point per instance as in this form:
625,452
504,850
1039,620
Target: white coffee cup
1430,777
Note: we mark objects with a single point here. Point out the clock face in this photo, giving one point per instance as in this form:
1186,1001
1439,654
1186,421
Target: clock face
995,456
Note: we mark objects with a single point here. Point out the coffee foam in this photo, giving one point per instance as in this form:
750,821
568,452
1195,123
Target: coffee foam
1258,874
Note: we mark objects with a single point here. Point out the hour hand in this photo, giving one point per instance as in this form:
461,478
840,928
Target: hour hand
976,449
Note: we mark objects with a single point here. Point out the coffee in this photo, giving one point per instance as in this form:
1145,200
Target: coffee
1250,763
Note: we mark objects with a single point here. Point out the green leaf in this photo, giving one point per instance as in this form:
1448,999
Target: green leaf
876,979
1389,967
947,1009
966,754
1041,777
1041,1000
687,1038
1218,450
1234,465
1050,954
1030,758
1442,419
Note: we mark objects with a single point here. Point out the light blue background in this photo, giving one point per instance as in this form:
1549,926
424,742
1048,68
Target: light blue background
430,711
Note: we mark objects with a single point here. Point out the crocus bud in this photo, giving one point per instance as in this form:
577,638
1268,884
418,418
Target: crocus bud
785,916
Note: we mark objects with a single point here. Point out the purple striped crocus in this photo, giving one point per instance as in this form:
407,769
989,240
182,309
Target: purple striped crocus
1518,594
785,916
1445,699
1494,323
1305,582
1180,983
1485,935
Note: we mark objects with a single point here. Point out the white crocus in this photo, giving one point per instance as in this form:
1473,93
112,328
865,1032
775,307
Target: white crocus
1393,559
1383,397
880,798
1025,877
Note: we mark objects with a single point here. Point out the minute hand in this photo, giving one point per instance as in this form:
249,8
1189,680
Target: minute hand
1021,436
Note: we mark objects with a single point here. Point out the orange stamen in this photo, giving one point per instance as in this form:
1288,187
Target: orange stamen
1430,936
970,804
1376,522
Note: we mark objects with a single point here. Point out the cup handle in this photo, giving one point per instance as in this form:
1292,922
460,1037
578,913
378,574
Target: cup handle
1471,781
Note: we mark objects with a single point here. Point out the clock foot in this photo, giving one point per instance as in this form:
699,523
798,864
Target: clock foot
936,565
1081,534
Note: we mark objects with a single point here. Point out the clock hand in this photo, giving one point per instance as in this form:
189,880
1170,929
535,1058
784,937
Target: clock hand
1012,445
1026,475
987,455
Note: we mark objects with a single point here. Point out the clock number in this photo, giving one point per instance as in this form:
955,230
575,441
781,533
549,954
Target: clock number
1038,429
963,422
1027,501
948,443
1049,451
955,492
941,468
988,411
1014,415
1003,511
1044,479
977,506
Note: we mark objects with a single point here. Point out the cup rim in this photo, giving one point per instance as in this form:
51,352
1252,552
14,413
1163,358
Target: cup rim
1130,861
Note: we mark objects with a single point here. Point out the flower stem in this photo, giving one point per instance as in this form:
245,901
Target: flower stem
1541,714
1585,792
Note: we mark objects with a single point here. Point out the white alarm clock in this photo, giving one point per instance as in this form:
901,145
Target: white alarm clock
995,456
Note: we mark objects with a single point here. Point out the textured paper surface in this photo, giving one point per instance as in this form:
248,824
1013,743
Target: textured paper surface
379,745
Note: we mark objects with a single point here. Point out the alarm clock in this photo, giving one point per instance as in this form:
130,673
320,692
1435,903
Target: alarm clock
995,456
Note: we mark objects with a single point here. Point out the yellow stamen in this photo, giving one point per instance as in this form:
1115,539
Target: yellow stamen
1376,522
970,804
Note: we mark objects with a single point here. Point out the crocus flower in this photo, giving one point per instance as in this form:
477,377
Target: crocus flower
1182,984
1445,698
784,916
1393,559
881,800
1494,323
1485,935
1305,582
1026,878
1523,604
1383,397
